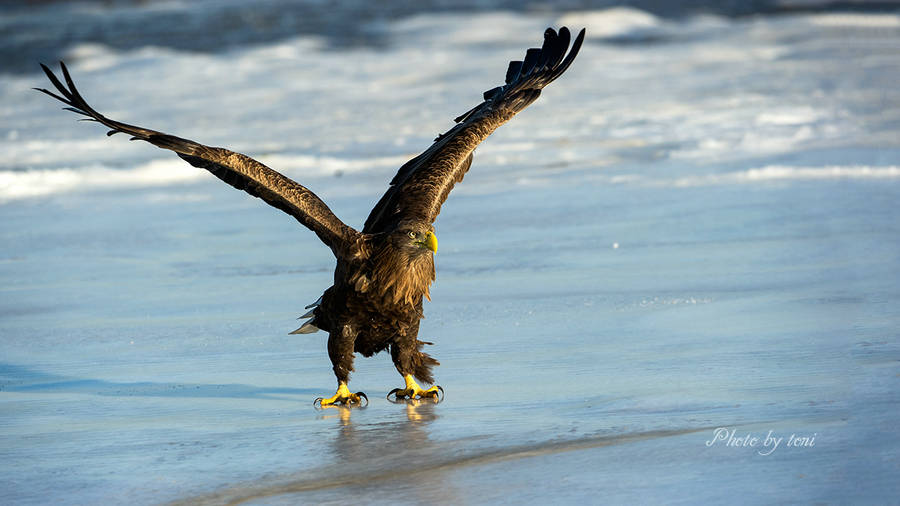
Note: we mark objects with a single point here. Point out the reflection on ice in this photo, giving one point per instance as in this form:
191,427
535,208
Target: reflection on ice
400,457
398,453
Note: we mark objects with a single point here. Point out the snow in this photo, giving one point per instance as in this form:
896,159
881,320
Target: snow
694,228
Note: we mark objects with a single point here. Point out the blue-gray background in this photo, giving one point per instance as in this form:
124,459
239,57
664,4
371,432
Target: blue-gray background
695,228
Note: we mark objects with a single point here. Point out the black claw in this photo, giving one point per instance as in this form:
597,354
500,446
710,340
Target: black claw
400,397
344,401
438,397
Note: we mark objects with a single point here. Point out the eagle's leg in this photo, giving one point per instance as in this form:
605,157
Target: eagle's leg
414,391
342,396
340,351
410,363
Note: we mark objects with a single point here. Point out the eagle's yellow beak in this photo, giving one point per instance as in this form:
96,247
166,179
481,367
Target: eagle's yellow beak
430,242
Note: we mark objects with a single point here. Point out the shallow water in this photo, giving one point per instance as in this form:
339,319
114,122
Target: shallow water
695,228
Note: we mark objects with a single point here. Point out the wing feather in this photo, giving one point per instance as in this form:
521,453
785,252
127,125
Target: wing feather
239,171
422,184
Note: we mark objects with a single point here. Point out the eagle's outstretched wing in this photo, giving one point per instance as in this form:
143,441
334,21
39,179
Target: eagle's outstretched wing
423,183
240,171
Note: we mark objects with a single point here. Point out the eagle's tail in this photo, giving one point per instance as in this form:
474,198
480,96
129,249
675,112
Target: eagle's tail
310,326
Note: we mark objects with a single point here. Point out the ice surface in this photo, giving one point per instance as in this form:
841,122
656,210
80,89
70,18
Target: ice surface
696,227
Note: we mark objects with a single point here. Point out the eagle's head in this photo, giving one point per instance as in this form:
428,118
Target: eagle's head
402,267
415,239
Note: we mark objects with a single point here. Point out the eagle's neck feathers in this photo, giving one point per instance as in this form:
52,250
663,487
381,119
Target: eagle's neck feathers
395,277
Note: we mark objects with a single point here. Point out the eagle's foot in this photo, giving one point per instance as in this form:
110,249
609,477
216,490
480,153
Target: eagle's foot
343,396
414,391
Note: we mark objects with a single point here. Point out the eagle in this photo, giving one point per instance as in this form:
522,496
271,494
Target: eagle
384,271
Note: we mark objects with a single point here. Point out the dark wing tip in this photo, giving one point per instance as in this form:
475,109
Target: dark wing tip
58,85
537,69
530,61
548,49
513,71
573,52
54,95
542,66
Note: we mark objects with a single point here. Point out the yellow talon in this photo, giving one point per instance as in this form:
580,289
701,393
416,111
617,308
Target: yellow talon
414,391
342,396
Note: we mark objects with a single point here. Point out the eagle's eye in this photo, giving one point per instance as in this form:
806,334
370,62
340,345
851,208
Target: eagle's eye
411,234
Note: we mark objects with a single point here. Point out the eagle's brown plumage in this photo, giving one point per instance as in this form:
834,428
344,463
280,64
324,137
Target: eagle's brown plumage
384,271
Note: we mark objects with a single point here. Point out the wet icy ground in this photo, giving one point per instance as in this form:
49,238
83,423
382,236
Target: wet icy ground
695,228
